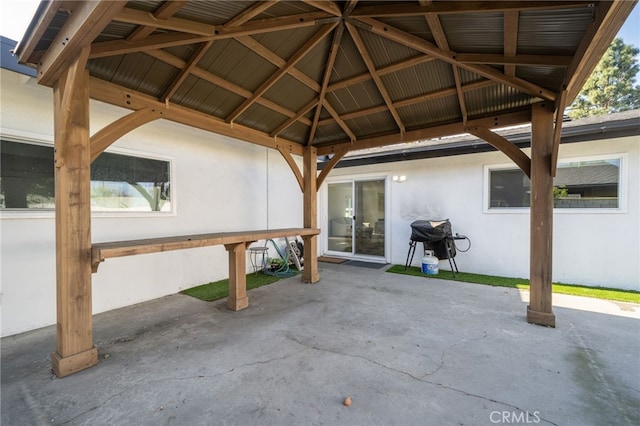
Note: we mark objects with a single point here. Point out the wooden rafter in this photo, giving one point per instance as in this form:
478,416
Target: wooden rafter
421,45
389,69
494,122
340,121
510,36
328,6
298,116
364,53
442,93
220,82
545,60
301,53
166,10
85,23
256,47
250,13
200,51
441,41
460,6
130,99
199,33
333,53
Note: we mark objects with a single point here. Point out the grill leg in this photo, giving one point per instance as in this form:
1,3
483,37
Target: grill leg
452,260
412,251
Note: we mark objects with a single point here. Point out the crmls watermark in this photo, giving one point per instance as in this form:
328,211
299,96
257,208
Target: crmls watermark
515,417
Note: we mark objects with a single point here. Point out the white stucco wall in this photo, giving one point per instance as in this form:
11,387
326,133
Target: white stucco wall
590,248
218,184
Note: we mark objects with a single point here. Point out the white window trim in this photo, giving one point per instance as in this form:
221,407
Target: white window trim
21,137
622,187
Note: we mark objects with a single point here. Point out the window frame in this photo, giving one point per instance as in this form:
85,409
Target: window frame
622,187
50,213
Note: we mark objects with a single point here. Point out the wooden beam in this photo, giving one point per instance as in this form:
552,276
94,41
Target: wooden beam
85,23
191,64
166,10
333,53
540,309
310,273
250,13
494,122
296,117
500,143
255,46
328,6
424,46
337,156
130,99
285,151
510,37
172,39
460,6
102,139
441,41
340,121
74,331
300,53
493,59
364,53
219,81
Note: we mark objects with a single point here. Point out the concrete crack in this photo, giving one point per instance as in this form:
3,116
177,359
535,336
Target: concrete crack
420,379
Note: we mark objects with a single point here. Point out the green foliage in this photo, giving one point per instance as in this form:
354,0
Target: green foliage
560,191
523,284
611,87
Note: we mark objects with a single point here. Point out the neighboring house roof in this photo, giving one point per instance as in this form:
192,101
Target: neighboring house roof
10,62
605,174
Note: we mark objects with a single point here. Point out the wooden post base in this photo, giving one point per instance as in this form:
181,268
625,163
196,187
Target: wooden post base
72,364
547,319
237,304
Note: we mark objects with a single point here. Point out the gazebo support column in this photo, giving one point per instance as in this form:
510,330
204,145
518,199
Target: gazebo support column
74,338
310,198
540,309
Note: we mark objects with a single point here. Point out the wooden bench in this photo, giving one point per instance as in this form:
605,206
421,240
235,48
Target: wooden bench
235,243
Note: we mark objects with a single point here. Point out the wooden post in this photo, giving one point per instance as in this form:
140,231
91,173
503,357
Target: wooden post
540,309
310,157
238,299
74,338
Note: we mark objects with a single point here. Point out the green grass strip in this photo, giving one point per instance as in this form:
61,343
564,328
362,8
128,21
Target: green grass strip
220,289
523,284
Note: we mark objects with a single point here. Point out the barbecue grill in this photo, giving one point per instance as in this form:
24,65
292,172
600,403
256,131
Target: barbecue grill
435,235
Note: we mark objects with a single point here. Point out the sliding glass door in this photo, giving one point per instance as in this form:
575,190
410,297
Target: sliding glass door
356,218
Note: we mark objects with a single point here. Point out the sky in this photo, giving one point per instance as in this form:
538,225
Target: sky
15,16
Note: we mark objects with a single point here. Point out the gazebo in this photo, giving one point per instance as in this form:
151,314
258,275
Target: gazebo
315,79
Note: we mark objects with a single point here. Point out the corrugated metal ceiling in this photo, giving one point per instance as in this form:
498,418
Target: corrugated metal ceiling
246,76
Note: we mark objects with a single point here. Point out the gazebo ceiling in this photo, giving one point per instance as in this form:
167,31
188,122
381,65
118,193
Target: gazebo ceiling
331,74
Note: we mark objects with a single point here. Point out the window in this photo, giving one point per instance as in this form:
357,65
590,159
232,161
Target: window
119,183
579,184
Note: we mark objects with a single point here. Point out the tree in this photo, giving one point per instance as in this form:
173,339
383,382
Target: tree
611,87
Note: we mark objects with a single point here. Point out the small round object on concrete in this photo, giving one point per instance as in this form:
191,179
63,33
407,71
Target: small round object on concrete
347,402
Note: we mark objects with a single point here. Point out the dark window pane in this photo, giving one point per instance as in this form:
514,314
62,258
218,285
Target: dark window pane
118,182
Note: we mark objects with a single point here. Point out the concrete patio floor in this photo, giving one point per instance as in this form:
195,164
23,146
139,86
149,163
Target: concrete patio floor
408,351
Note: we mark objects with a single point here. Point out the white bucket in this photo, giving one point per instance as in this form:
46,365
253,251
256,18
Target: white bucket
429,263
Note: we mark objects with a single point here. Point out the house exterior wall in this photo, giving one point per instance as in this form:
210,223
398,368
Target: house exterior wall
218,184
590,247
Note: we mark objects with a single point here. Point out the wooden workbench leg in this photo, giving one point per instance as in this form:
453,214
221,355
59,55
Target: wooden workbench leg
540,309
238,299
310,197
74,333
